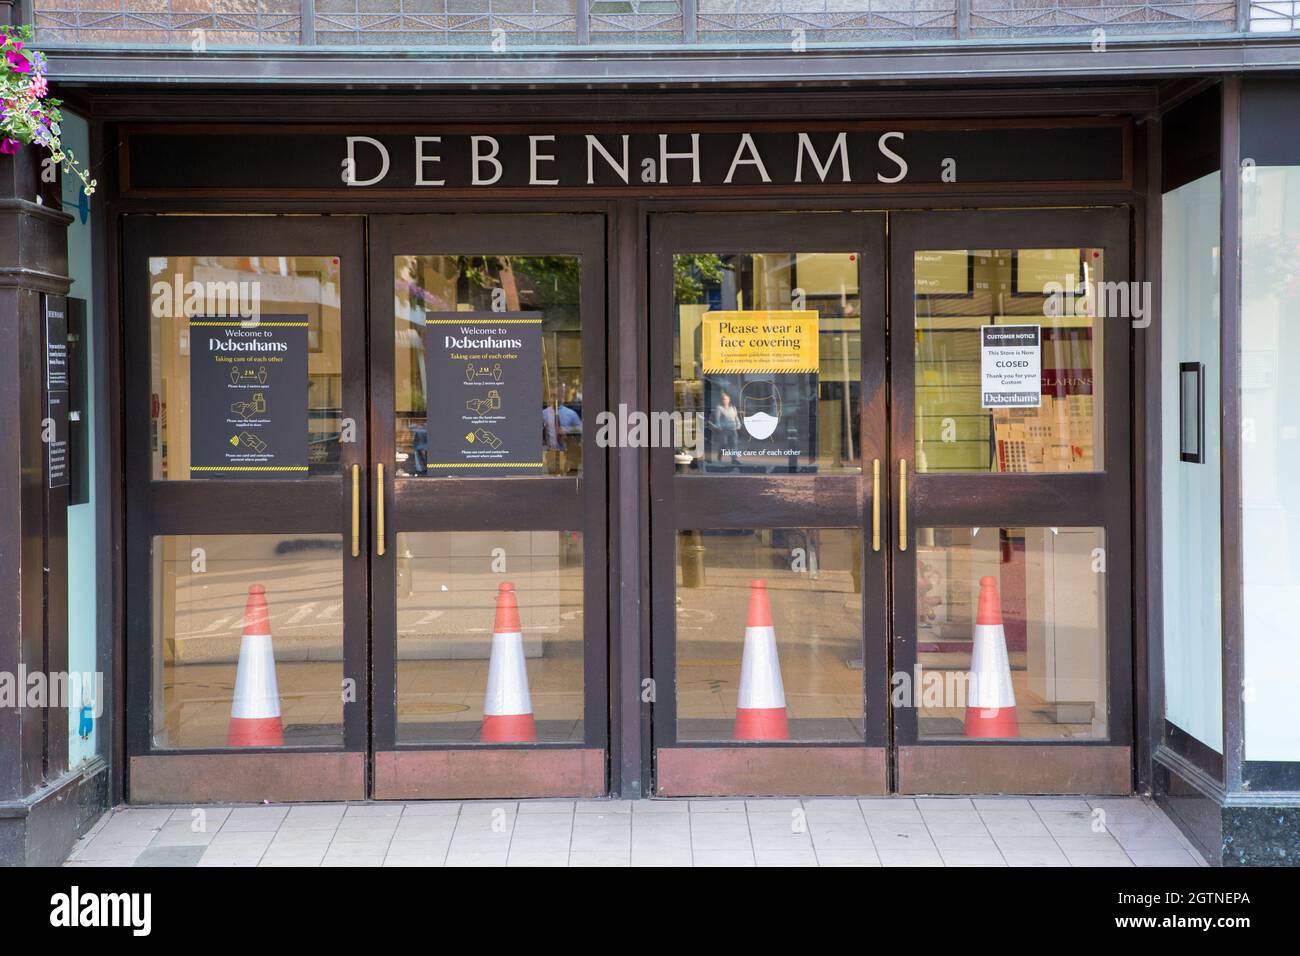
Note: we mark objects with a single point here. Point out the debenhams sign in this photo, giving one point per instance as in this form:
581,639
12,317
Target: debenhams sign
465,160
611,160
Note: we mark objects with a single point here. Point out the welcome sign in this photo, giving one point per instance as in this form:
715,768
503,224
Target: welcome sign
248,397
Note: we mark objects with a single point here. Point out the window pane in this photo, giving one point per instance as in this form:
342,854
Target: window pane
985,403
769,634
507,388
247,641
1011,633
767,362
468,670
207,398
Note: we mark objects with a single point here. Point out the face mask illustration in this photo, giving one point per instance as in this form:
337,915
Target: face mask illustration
760,404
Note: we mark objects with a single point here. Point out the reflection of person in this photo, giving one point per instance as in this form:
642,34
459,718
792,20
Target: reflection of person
568,421
725,422
926,579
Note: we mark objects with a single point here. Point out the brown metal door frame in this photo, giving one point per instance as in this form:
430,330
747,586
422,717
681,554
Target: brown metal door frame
731,502
451,771
1095,499
309,506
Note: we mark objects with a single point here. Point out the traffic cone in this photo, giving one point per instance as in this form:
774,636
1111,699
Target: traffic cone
990,698
507,706
760,707
255,714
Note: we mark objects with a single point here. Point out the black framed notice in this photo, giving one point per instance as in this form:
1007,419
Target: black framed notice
248,397
1034,270
56,391
483,374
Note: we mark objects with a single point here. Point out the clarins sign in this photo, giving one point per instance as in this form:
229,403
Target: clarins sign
603,160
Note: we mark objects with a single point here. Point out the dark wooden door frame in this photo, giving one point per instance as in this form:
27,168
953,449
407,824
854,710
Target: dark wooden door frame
413,771
1095,499
320,505
721,502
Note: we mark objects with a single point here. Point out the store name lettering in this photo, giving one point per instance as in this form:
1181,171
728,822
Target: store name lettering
671,159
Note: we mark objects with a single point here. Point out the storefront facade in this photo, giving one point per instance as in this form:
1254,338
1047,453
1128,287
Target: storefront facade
869,458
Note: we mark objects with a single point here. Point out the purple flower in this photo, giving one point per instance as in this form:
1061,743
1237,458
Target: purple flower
18,62
9,146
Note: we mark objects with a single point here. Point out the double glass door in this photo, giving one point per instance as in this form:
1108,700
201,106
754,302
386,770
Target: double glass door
366,497
366,549
891,553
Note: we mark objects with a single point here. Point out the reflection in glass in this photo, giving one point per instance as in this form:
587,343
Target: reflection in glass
448,599
1010,618
202,617
812,588
796,407
552,285
959,290
190,287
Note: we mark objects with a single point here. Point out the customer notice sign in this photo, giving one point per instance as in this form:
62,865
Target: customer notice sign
1011,366
484,393
248,397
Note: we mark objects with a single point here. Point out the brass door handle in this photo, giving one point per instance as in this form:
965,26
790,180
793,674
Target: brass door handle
875,504
356,510
902,504
379,508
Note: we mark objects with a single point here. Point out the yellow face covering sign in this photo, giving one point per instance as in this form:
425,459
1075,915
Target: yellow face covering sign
737,343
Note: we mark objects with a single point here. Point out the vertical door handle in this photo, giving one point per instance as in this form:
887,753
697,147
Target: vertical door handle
902,504
875,504
356,510
379,508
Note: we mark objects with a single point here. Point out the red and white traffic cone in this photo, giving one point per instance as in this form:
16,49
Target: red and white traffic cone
990,698
507,706
255,713
760,707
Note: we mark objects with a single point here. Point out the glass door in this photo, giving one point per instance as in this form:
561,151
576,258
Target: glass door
244,417
1011,474
489,546
768,528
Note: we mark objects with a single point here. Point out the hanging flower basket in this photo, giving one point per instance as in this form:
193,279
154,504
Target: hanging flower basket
30,114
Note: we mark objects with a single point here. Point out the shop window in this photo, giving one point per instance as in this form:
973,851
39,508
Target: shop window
247,641
1008,359
1011,634
475,666
769,635
245,348
767,363
505,330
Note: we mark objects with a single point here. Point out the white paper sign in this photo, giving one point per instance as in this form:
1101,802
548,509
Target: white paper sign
1011,366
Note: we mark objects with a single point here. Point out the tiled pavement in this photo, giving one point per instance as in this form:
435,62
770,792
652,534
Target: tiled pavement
888,831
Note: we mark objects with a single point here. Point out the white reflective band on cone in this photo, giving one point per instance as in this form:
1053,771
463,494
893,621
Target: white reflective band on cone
507,684
990,671
256,694
760,672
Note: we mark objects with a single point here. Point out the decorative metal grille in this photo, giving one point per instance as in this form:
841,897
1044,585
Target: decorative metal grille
636,21
789,22
1274,17
170,22
482,24
503,24
1032,18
